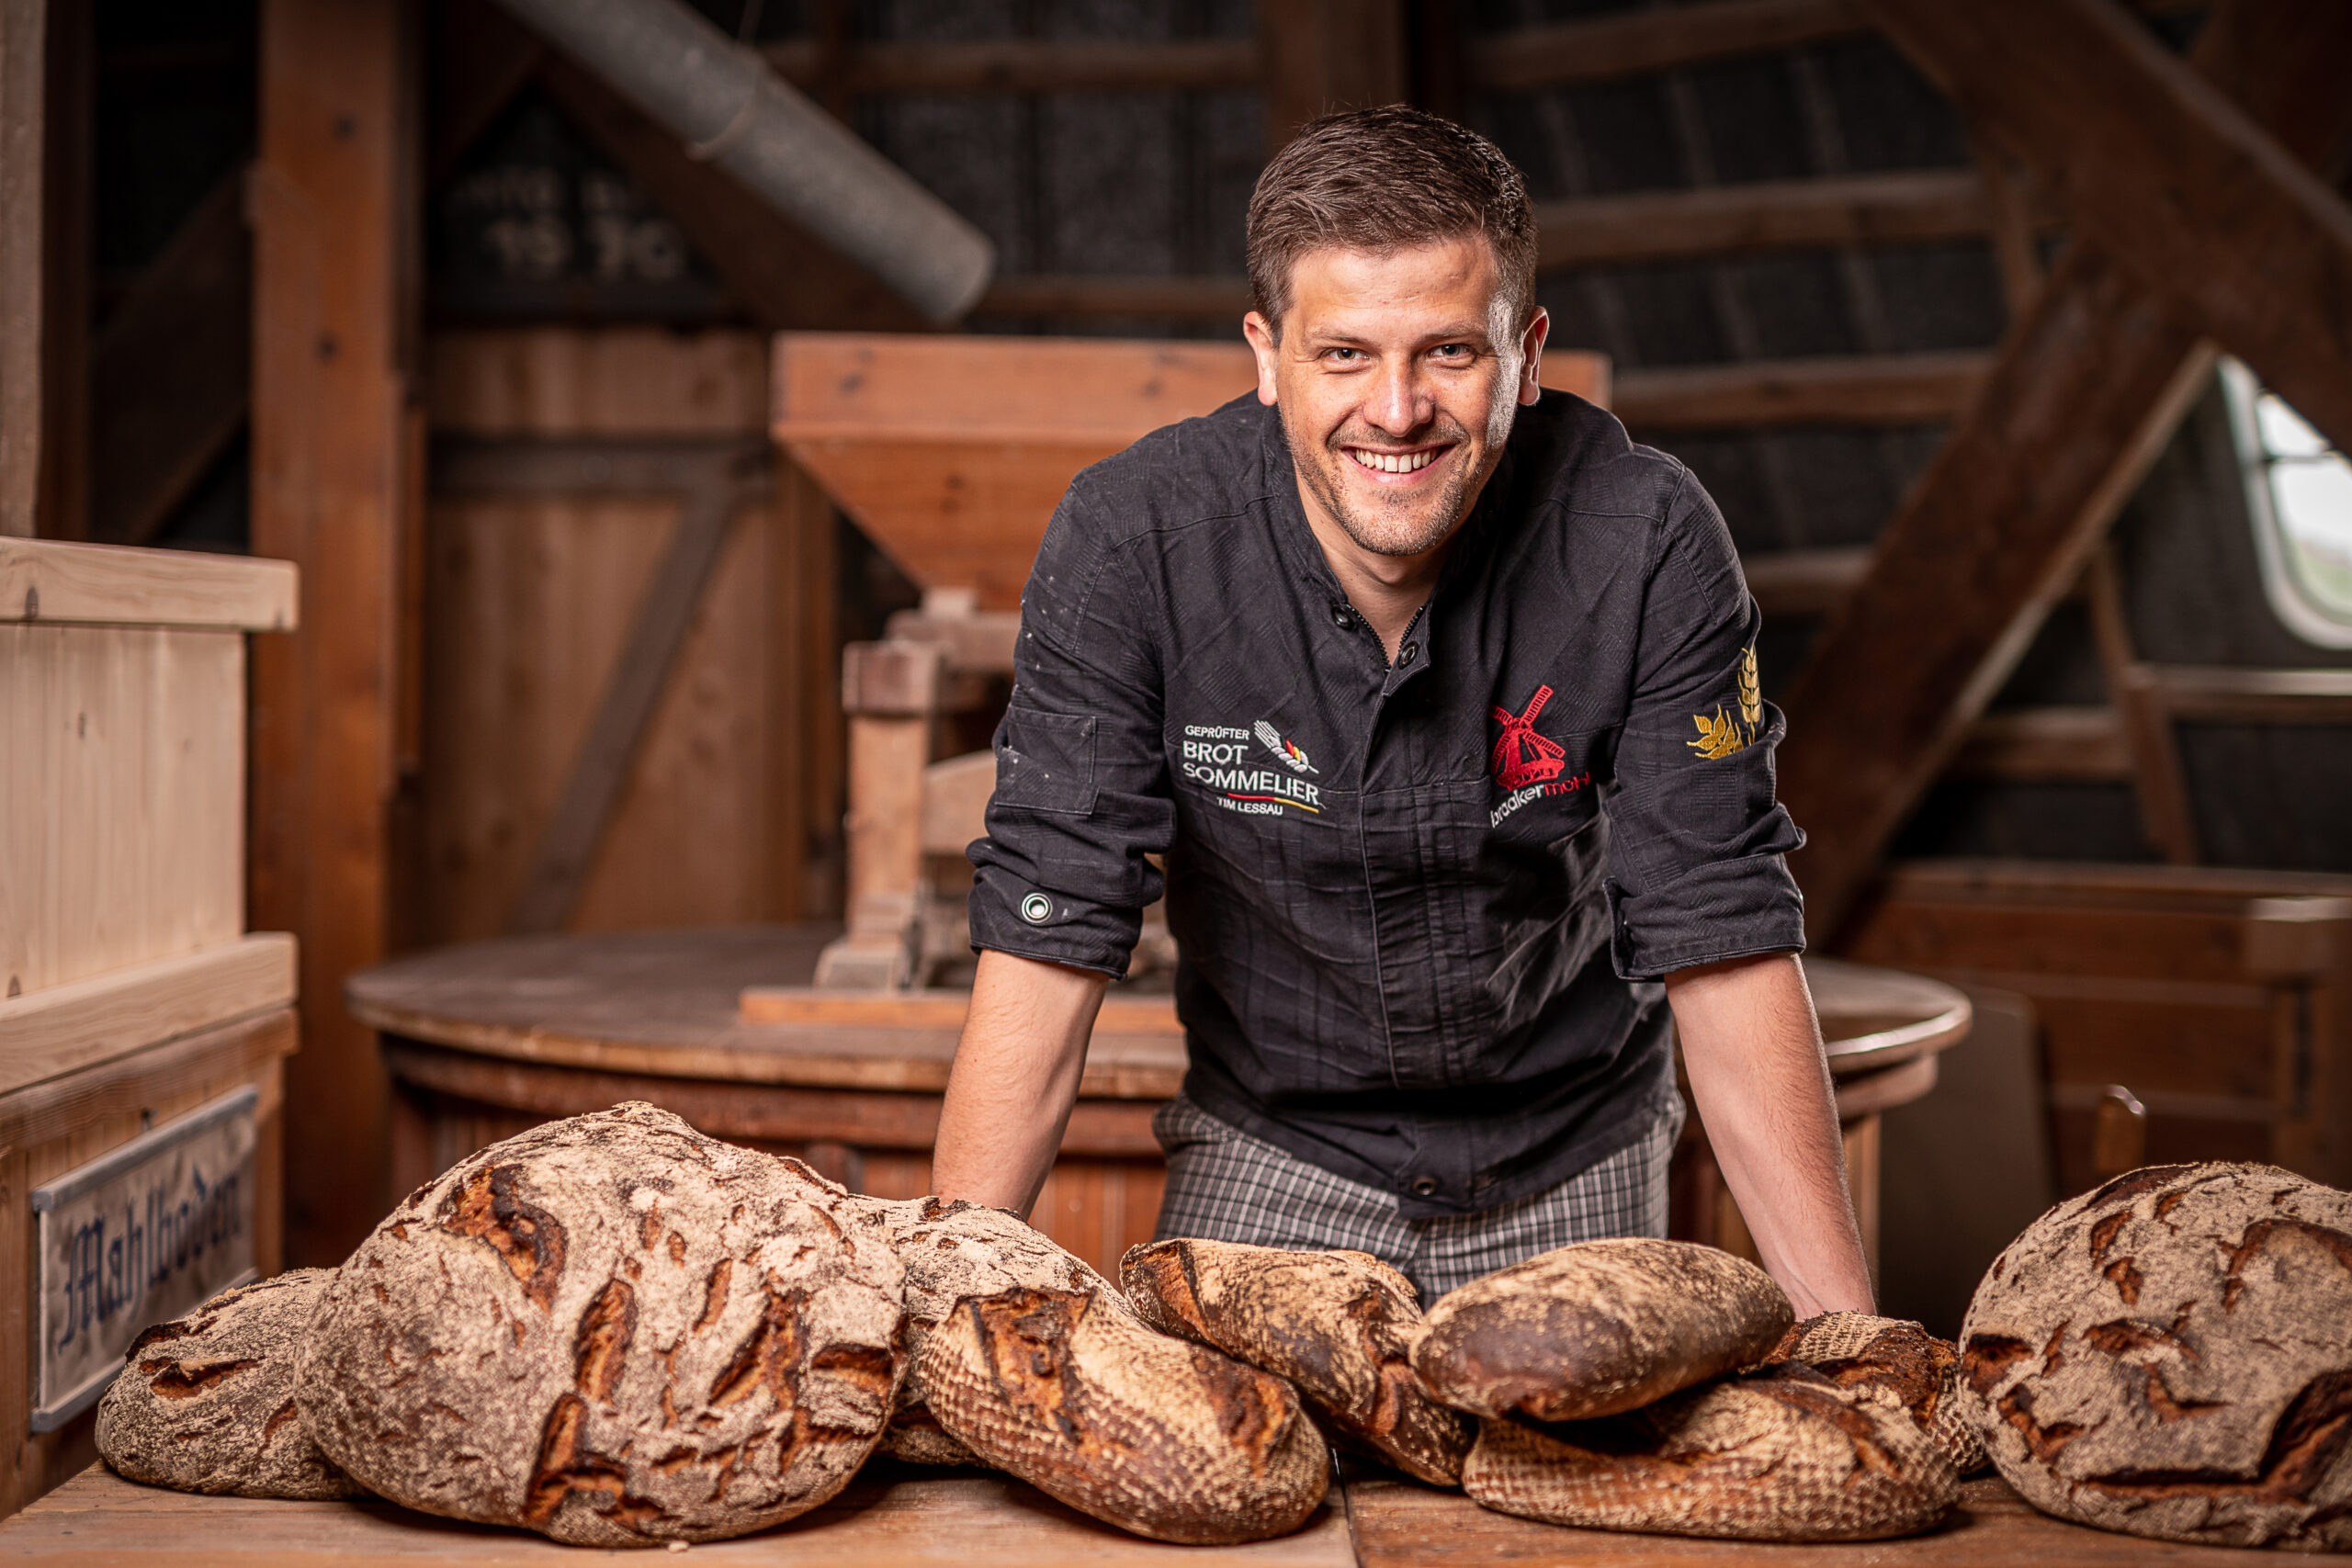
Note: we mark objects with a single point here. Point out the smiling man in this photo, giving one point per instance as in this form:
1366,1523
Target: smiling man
1438,697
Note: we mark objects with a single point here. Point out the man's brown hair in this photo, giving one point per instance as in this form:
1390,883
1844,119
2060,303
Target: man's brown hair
1385,180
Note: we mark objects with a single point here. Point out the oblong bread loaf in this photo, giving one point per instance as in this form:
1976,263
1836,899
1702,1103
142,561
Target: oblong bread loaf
206,1402
1338,1325
1783,1457
1165,1438
1598,1328
1855,1350
615,1331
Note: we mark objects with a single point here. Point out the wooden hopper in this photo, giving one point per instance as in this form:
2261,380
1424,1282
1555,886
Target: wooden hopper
951,453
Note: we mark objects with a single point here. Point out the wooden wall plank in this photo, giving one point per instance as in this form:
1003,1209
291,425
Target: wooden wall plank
98,585
637,382
59,1029
334,235
1908,206
2187,190
24,97
1604,48
123,751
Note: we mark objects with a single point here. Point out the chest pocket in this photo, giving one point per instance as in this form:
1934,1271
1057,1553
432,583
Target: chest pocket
1044,762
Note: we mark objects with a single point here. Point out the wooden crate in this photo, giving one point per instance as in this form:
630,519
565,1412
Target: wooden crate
2222,999
132,993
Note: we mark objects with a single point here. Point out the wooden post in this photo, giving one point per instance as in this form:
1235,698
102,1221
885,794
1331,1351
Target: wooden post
45,91
332,201
891,691
1322,55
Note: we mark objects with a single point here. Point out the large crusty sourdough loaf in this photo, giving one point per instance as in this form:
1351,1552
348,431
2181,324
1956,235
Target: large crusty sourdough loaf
206,1402
1598,1328
1855,1350
1339,1326
1781,1455
613,1330
1155,1434
2171,1355
951,1250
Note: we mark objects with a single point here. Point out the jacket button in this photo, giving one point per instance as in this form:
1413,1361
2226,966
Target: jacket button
1408,653
1425,1187
1342,618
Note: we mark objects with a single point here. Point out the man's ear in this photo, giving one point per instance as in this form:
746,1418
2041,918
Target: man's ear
1530,348
1267,346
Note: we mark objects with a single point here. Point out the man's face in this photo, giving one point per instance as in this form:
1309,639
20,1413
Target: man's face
1397,375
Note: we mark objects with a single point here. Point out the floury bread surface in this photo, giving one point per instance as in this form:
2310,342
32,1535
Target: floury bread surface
1158,1436
1339,1326
1782,1455
1854,1349
951,1250
2171,1355
206,1402
1598,1328
615,1331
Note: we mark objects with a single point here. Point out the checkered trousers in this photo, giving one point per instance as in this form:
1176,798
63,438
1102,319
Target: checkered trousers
1225,1184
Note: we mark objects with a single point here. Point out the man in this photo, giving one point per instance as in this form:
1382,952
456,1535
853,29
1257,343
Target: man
1438,697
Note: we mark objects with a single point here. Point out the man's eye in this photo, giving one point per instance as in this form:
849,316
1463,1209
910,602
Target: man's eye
1344,355
1456,351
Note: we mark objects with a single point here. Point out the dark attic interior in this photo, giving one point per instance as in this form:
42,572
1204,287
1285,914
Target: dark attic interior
508,581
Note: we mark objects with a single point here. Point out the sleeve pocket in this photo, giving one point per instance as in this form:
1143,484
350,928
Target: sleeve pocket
1044,762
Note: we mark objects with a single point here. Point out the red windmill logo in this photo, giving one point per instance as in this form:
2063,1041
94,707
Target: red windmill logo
1522,757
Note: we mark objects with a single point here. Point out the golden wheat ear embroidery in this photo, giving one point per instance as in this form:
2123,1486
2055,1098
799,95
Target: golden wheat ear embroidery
1719,735
1751,696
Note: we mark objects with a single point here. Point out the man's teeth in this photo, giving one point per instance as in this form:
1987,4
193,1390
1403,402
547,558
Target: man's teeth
1393,462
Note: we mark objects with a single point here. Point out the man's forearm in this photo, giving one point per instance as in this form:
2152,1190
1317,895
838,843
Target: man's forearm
1016,1078
1752,1048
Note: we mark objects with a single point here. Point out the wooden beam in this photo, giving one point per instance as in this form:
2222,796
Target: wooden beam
168,384
51,583
2089,385
2186,189
2228,694
1019,65
1638,43
1068,294
1912,388
23,123
786,277
335,311
1321,55
1854,209
2071,744
2157,779
1804,582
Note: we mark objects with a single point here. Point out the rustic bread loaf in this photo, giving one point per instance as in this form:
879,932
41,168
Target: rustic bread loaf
1339,1326
1598,1328
1158,1437
206,1402
952,1249
612,1330
2171,1355
1781,1455
1854,1349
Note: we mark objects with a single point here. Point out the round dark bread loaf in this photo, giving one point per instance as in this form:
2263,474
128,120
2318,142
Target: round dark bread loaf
206,1402
615,1331
2171,1355
1780,1455
1854,1349
1339,1326
952,1249
1162,1438
1598,1328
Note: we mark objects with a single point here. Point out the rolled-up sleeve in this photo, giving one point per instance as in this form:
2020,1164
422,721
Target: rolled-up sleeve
1081,771
1698,844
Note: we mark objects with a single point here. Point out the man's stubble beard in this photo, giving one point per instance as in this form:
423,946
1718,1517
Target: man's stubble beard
1401,527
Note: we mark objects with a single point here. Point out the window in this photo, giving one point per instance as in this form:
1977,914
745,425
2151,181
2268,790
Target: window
2299,495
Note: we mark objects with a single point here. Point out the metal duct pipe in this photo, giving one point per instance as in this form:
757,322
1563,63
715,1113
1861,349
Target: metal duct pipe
731,110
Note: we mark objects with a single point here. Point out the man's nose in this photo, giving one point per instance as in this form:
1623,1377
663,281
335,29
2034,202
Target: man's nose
1401,402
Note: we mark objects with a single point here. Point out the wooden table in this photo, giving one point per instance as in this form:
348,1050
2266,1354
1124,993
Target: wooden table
896,1517
487,1039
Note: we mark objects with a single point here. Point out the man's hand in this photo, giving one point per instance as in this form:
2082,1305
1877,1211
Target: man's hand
1752,1048
1015,1079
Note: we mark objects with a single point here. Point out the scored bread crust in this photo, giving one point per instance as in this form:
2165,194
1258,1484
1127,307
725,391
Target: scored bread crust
1338,1325
1854,1349
1159,1437
206,1402
1784,1455
2170,1355
1598,1328
615,1331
